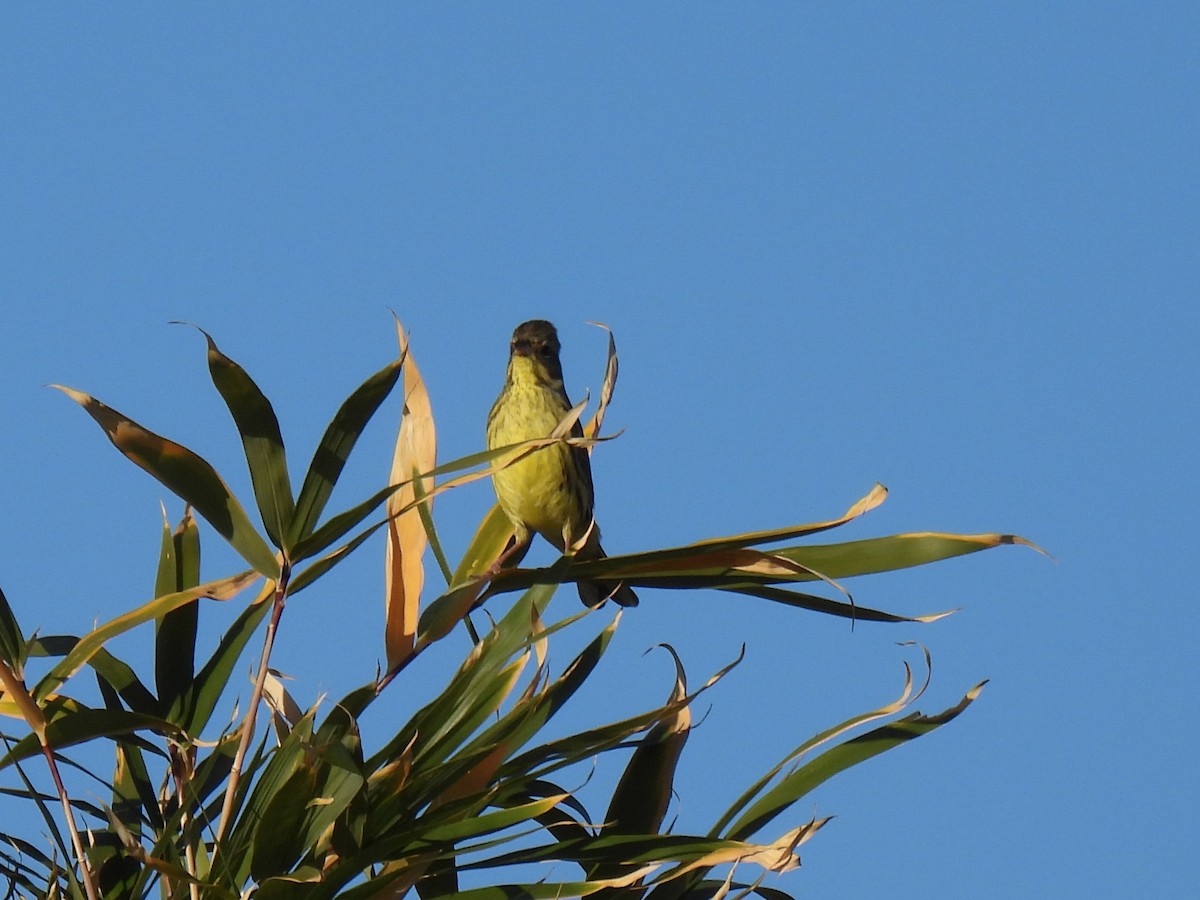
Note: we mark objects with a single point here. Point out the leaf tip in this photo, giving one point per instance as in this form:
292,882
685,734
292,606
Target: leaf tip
1025,542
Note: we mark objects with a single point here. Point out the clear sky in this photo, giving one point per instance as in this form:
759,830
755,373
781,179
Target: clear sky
954,248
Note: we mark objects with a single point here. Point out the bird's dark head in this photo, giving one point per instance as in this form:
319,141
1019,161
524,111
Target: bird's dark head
536,342
536,338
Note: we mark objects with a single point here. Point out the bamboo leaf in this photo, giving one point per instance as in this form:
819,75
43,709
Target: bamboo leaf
109,669
341,524
415,452
448,610
899,551
540,761
196,708
894,707
500,458
175,631
748,570
491,822
133,791
82,725
320,566
277,848
25,703
424,509
592,429
640,800
259,429
12,642
814,603
839,758
185,474
490,539
92,642
288,760
336,444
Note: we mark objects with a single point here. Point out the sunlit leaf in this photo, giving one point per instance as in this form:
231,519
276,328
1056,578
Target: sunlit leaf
338,526
751,572
899,551
492,536
26,706
492,821
134,797
109,669
94,640
539,762
440,617
415,452
592,429
320,566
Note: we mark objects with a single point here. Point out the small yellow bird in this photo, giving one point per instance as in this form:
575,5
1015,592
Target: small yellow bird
550,491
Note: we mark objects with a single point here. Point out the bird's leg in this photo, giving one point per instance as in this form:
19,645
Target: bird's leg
514,551
512,554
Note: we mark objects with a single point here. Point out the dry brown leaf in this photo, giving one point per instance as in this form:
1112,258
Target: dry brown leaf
416,452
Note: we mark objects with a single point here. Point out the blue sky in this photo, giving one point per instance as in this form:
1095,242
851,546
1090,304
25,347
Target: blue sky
951,248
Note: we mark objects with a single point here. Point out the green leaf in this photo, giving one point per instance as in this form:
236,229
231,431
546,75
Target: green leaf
815,603
489,542
531,713
134,797
12,642
638,849
91,643
897,551
320,566
450,718
259,428
81,725
446,611
195,710
278,846
640,800
341,524
800,782
122,677
751,571
540,761
333,451
491,822
51,823
425,511
175,631
185,474
304,809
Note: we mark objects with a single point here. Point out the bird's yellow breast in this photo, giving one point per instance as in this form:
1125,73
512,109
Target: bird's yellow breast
537,491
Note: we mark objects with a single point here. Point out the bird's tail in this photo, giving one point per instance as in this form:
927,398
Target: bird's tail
593,593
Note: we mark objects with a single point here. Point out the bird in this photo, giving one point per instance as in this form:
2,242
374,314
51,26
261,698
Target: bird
550,491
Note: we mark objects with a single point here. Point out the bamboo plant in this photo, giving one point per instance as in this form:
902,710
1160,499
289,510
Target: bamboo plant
470,790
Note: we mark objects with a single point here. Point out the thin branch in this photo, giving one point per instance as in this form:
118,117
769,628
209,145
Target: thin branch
89,881
235,773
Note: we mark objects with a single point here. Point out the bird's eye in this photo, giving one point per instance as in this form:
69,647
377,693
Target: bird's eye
546,351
